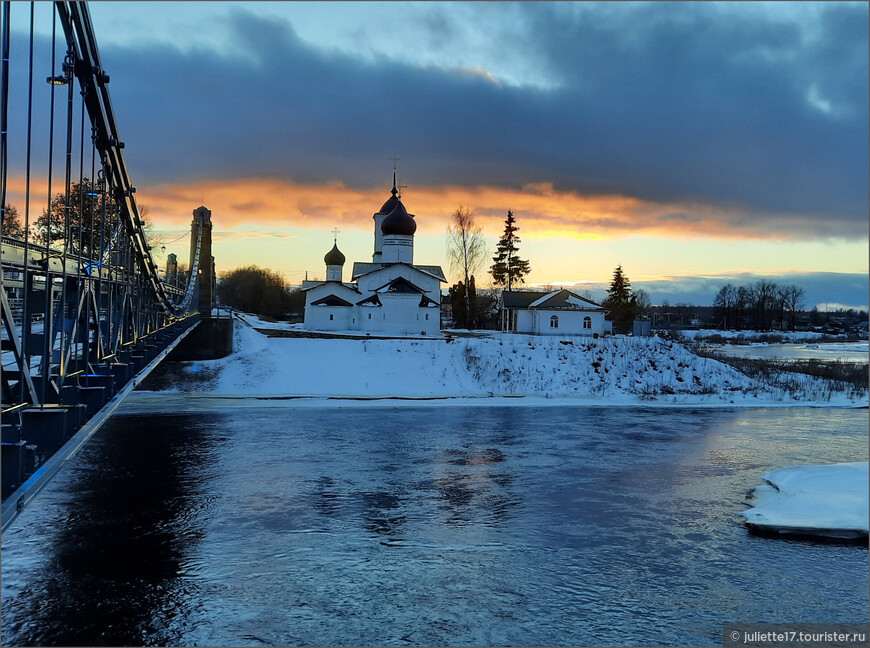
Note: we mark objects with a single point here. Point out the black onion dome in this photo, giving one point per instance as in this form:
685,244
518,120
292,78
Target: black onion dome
391,203
399,221
334,256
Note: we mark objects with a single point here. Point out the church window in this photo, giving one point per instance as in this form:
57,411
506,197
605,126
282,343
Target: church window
370,315
587,322
554,322
427,315
331,317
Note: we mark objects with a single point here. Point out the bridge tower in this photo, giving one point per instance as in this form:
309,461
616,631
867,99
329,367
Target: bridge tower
205,282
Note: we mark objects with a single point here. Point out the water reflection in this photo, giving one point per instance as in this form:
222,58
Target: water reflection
448,526
118,547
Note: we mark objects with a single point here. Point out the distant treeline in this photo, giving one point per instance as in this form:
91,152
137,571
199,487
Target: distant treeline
762,305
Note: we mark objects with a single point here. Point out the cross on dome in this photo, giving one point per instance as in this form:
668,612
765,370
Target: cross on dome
395,159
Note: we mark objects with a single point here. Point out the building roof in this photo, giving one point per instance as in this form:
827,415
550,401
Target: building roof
428,301
522,299
361,268
565,300
548,300
373,300
331,300
400,285
309,285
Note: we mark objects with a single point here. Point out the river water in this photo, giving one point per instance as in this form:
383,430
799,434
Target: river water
414,525
857,352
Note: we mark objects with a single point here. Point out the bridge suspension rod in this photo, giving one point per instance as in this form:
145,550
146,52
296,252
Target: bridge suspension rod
88,69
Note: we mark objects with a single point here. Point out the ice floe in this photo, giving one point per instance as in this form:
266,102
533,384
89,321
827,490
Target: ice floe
828,501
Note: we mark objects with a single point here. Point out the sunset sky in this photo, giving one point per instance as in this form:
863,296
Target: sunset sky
692,143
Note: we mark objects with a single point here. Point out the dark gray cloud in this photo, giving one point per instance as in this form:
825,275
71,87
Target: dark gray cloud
665,101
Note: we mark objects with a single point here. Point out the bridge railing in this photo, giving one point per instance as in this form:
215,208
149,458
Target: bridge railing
77,327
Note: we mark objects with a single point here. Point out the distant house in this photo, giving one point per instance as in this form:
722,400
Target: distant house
558,312
802,325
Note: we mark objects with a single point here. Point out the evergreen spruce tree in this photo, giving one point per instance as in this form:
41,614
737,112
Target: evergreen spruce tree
620,302
472,303
458,303
508,268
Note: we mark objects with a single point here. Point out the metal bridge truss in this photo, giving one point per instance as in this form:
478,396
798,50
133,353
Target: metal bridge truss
79,323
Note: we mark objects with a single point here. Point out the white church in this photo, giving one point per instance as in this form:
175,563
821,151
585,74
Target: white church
391,295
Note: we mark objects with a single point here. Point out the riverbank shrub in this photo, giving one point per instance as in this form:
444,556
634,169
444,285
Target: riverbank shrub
850,378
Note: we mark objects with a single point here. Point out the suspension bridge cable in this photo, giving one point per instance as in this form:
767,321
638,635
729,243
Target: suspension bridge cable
67,69
4,107
92,304
45,362
25,312
77,323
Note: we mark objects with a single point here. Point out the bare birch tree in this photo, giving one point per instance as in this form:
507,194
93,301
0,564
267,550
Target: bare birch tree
466,250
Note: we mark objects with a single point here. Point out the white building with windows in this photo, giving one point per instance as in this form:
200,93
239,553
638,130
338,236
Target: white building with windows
556,312
391,295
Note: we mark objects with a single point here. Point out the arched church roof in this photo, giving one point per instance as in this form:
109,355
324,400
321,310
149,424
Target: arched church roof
391,203
399,221
334,256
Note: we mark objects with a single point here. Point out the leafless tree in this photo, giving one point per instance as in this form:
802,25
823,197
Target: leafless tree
642,301
742,301
780,300
794,295
11,225
466,248
726,299
764,293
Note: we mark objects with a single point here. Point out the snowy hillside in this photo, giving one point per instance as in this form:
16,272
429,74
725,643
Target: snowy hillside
529,365
614,369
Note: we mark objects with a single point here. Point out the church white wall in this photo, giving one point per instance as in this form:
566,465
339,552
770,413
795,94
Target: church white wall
329,318
400,316
332,288
368,318
379,238
317,317
398,248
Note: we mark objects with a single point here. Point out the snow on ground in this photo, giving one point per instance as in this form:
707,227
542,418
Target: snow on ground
813,500
611,370
256,322
747,336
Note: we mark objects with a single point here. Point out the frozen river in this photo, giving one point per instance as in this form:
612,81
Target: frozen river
426,526
857,352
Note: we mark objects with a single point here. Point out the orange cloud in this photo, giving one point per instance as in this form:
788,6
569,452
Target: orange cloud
542,211
257,204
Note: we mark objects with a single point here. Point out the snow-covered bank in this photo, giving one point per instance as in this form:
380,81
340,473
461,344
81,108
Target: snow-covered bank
828,501
613,370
